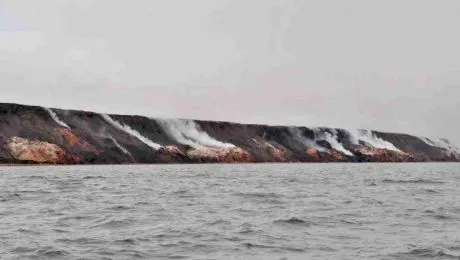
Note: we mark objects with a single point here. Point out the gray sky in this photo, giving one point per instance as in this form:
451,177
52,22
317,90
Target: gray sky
389,65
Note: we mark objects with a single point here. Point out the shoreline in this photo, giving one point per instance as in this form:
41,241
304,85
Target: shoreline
217,163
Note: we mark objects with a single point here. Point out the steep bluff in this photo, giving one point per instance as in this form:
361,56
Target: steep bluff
32,134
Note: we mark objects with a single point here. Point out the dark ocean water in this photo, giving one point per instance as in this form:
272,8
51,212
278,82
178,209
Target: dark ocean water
266,211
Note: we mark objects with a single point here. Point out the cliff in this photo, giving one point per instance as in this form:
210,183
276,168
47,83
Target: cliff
32,134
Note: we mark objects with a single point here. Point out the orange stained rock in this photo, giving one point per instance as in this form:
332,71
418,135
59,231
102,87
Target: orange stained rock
174,149
337,155
37,151
277,154
315,154
74,140
384,155
227,155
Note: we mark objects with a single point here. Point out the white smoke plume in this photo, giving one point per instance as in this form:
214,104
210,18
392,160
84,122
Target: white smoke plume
121,148
186,132
130,131
56,118
321,136
370,138
334,142
440,142
309,143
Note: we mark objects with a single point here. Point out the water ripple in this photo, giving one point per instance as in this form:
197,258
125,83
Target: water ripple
259,211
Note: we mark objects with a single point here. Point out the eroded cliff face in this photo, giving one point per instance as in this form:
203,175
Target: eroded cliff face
226,155
24,150
31,134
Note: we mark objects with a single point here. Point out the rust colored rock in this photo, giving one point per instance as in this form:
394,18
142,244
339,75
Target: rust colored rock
315,155
25,150
383,155
174,150
337,155
74,140
277,154
171,154
224,155
69,136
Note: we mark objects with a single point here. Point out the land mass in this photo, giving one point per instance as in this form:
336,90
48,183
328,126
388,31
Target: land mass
38,135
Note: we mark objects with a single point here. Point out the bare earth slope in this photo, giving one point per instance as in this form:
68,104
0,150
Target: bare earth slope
32,134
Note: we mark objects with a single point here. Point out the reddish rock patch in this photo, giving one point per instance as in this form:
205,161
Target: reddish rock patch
25,150
315,155
384,155
74,140
224,155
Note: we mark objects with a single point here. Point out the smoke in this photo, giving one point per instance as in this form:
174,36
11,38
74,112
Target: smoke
186,132
333,141
309,143
321,136
449,144
370,138
121,148
56,118
440,142
102,133
130,131
271,146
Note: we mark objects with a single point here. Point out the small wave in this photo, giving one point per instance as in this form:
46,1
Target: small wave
427,253
9,197
436,215
350,222
260,195
292,249
183,194
293,221
219,222
38,192
417,181
28,231
431,191
75,218
142,203
119,207
442,217
274,201
177,244
290,180
81,241
128,241
21,250
246,231
50,252
234,239
114,224
57,230
134,254
370,182
180,192
36,177
93,177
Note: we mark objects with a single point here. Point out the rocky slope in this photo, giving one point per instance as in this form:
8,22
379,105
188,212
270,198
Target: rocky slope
31,134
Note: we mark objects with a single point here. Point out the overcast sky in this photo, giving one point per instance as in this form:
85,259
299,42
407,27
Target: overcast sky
389,65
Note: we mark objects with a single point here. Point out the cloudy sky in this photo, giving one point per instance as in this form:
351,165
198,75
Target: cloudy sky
389,65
